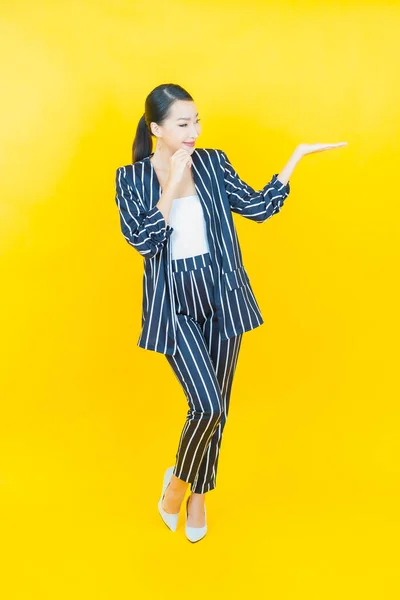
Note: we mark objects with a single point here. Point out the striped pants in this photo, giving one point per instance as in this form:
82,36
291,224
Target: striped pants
204,365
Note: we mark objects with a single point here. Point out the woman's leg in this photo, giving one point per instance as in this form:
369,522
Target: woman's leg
204,365
195,371
224,355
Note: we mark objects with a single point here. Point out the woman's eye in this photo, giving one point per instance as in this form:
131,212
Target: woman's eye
185,124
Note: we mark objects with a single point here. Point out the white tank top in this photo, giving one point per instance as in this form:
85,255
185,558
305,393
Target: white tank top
189,237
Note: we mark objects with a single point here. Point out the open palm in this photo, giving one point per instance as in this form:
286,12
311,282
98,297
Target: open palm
311,148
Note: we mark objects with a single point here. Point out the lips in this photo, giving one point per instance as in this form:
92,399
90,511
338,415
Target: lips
189,144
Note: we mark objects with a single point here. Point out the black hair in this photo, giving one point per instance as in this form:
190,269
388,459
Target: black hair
157,106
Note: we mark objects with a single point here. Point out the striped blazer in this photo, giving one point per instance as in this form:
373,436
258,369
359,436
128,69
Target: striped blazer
221,192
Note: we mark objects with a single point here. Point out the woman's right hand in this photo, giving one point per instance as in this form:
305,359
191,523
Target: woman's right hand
179,161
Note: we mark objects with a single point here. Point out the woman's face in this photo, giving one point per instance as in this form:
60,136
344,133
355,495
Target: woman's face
181,129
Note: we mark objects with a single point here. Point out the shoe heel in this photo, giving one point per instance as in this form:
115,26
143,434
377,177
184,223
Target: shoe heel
170,519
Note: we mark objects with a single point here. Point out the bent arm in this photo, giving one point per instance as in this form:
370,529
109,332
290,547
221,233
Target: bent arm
289,167
243,199
145,230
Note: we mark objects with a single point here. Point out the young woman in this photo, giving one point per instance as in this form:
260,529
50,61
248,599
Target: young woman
175,208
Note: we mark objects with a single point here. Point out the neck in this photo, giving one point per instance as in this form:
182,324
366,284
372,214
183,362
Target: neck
161,159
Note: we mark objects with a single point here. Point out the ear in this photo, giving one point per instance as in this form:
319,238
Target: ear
154,128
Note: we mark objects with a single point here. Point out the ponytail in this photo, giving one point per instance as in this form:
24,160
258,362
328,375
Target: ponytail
142,144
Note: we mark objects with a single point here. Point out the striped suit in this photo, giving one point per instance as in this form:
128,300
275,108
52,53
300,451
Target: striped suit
221,192
196,309
204,364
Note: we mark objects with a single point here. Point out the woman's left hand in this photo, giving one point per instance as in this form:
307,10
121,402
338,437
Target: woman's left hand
303,149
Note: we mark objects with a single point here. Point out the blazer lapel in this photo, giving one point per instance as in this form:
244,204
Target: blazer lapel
204,186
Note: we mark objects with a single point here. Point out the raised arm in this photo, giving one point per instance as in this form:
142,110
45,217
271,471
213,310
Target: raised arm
243,199
145,230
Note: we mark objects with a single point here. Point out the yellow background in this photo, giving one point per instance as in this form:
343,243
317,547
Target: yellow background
306,504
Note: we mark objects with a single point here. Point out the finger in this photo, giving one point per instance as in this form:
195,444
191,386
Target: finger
330,146
181,152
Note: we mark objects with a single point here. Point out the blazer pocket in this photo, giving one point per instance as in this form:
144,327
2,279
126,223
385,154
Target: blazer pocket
235,278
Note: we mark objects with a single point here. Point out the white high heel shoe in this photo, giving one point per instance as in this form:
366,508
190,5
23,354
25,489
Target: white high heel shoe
170,519
194,534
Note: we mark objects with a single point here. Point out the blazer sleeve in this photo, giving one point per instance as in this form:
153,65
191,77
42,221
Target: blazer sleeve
145,230
243,199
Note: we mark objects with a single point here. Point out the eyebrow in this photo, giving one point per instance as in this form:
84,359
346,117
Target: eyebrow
185,118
